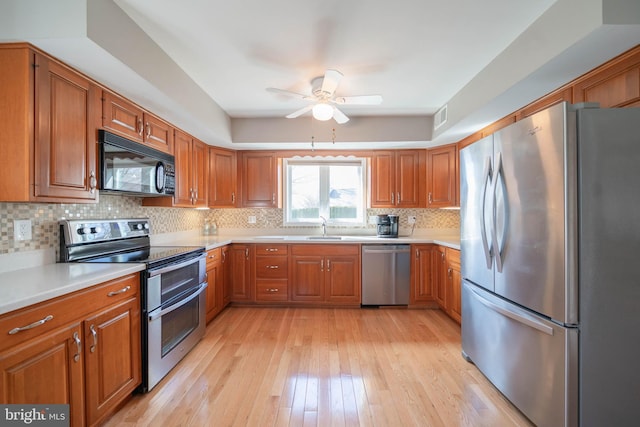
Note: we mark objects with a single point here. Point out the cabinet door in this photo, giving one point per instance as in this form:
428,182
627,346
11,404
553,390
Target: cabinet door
342,279
259,180
45,370
383,175
67,109
182,154
223,184
214,297
240,273
158,134
410,165
422,274
226,275
454,285
442,177
199,172
112,357
307,278
438,276
121,116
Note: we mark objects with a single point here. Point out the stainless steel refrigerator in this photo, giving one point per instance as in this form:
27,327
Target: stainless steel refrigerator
550,253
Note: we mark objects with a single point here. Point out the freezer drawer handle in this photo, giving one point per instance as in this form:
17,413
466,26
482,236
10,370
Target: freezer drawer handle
515,316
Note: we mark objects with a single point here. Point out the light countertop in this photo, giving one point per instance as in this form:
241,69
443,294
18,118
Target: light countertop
27,286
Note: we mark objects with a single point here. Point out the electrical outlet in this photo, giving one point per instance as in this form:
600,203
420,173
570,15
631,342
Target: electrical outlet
22,229
252,219
411,219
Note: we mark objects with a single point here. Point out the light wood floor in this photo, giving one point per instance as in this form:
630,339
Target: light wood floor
324,367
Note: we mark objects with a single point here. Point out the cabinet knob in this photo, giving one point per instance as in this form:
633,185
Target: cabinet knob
430,198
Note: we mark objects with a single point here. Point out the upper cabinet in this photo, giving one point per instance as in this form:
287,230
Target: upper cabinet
131,121
191,157
223,183
442,177
259,176
397,179
48,117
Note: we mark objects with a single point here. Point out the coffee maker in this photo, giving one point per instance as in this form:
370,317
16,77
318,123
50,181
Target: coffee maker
387,225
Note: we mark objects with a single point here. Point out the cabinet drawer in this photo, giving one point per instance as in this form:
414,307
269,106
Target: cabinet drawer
213,257
271,267
49,315
272,290
453,258
271,249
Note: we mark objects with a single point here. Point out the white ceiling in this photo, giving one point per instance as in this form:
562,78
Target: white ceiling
417,54
204,65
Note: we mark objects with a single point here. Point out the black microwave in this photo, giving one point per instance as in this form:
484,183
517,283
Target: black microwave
128,167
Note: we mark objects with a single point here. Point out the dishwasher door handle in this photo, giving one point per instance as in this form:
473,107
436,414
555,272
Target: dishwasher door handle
385,250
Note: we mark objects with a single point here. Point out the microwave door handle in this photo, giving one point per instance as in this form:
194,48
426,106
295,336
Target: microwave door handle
154,316
174,267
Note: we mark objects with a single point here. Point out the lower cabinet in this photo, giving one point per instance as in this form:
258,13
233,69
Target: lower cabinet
240,272
272,273
84,351
325,274
215,283
425,265
454,285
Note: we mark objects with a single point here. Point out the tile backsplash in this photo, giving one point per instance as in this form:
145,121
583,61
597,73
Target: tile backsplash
45,234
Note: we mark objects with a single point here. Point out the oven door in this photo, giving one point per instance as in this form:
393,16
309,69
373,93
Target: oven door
175,315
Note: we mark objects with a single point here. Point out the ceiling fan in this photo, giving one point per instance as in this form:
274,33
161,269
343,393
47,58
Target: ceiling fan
323,99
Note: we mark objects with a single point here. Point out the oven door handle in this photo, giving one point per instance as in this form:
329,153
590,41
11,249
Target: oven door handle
156,314
175,266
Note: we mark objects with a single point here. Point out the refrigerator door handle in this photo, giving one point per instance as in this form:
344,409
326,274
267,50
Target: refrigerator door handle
486,178
494,231
518,317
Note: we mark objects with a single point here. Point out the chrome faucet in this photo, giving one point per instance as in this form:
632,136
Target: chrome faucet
324,225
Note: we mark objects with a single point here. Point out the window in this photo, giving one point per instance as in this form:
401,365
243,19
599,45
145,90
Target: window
332,188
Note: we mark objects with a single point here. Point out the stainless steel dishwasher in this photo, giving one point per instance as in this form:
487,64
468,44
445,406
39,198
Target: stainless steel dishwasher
386,274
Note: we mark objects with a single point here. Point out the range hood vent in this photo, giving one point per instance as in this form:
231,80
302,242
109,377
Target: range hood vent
440,117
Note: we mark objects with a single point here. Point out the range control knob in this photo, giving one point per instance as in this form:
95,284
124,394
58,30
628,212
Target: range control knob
84,230
138,226
146,225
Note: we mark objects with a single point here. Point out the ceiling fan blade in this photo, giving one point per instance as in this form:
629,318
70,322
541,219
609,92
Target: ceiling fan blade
289,93
359,100
300,112
331,81
339,116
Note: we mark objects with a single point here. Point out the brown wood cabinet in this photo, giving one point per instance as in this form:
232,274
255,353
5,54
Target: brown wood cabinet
85,353
438,275
325,274
425,271
223,183
124,117
397,179
259,177
454,285
226,275
442,177
241,272
49,117
271,273
215,283
192,167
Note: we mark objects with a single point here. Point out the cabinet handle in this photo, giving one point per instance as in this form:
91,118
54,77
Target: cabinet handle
273,198
392,199
195,197
328,265
246,253
140,127
449,271
119,291
272,249
148,127
31,326
272,290
95,338
211,257
417,253
442,255
233,197
224,256
430,198
321,265
93,182
273,266
76,338
398,197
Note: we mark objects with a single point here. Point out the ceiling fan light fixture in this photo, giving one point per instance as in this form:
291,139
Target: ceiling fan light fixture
322,111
